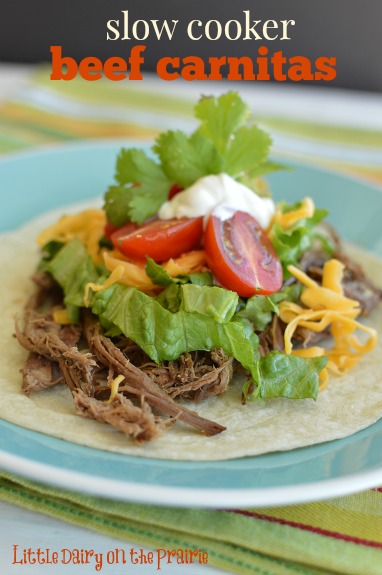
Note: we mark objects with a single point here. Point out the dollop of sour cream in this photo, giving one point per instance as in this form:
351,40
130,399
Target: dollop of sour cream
221,195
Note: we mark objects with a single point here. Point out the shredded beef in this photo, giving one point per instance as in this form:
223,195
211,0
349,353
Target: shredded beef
273,337
137,421
358,286
38,373
41,335
44,281
355,283
55,357
139,383
194,376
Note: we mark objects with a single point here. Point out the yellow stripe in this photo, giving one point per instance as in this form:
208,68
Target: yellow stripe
75,127
354,516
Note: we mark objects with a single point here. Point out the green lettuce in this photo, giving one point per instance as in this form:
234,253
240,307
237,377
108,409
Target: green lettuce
170,298
281,375
187,317
160,277
73,268
164,335
259,309
292,243
216,302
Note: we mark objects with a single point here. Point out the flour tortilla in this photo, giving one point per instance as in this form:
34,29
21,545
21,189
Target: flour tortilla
350,403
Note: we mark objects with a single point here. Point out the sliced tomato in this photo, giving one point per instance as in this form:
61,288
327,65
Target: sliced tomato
175,189
160,239
241,257
122,232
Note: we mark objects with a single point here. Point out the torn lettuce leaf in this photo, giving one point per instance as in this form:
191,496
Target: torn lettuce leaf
73,268
291,244
186,317
195,294
164,335
160,277
289,376
215,302
259,308
169,298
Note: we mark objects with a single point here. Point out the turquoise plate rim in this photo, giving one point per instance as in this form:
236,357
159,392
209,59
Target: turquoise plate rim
306,474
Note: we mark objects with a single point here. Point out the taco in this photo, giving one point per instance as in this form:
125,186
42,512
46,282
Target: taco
193,311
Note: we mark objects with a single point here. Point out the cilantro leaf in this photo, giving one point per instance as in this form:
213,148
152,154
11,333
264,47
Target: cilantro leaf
220,117
134,164
117,205
186,159
134,167
146,203
267,167
248,148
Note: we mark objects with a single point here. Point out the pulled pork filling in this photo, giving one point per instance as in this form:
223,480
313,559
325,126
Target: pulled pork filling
87,361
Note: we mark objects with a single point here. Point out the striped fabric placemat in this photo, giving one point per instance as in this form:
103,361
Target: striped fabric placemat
342,535
318,126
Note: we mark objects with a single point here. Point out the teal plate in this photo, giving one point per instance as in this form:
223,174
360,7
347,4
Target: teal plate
33,183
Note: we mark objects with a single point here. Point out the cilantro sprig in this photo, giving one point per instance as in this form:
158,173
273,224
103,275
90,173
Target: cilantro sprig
223,142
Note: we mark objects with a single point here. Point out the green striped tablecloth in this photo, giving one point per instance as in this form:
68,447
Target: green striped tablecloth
333,130
342,535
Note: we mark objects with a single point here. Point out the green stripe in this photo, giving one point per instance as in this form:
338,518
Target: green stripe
324,132
104,92
37,128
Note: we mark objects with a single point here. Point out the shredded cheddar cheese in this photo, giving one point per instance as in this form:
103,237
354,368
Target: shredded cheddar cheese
114,387
133,274
87,225
114,277
61,317
188,263
327,308
288,219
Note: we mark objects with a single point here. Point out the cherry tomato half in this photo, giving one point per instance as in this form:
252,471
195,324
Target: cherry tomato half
241,257
160,239
121,233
